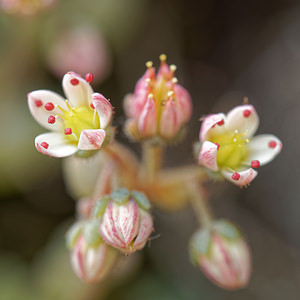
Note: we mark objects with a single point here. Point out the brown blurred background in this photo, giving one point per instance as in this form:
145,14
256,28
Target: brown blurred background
224,50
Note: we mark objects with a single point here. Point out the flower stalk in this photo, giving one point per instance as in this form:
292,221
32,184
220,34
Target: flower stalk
199,203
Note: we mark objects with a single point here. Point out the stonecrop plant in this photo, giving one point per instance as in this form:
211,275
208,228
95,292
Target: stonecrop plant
114,215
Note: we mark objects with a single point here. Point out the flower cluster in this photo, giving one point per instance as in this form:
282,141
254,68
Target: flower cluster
159,106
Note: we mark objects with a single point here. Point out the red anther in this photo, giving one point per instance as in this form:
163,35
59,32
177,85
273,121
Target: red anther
74,81
38,103
272,144
255,164
218,146
92,106
247,113
220,123
49,106
235,176
51,120
45,145
68,131
89,77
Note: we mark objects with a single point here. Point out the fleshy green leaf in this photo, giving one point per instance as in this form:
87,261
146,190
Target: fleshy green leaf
91,233
100,206
200,244
226,229
141,200
121,196
73,233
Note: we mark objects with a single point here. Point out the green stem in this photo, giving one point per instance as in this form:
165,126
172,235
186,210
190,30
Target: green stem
199,203
151,161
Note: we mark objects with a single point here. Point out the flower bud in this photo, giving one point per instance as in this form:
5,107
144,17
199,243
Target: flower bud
222,254
125,220
159,107
91,257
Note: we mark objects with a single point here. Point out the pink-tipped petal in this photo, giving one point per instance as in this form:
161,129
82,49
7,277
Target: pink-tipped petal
104,109
164,71
109,229
169,120
146,228
77,90
264,148
245,178
210,126
208,156
129,221
54,144
37,101
184,103
91,139
244,119
147,120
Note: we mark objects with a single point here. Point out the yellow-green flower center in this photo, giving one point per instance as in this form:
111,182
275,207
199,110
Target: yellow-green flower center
232,151
77,119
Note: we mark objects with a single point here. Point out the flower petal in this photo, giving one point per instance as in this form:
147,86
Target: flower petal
169,120
77,90
210,126
56,145
264,148
147,120
208,155
104,109
244,119
246,176
184,103
36,103
91,139
146,228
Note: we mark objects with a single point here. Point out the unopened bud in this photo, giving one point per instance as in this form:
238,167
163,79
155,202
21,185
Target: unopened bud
126,223
222,254
91,257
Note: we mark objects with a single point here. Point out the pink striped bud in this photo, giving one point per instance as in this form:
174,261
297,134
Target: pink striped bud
159,106
222,254
91,257
126,223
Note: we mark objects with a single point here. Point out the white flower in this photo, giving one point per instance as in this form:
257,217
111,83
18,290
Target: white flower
78,123
228,145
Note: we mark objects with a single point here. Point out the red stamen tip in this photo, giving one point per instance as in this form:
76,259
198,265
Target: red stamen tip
45,145
218,146
89,77
49,106
68,131
51,120
92,106
272,144
38,103
74,81
255,164
220,123
247,113
235,176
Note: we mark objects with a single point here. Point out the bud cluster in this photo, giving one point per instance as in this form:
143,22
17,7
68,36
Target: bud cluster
159,106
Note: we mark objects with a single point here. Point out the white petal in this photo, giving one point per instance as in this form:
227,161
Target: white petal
244,119
78,94
208,155
104,109
210,126
264,148
36,103
57,145
91,139
246,176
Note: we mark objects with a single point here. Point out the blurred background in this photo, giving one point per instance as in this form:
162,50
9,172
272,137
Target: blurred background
224,50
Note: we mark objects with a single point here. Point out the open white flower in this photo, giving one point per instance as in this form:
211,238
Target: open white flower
78,123
228,145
